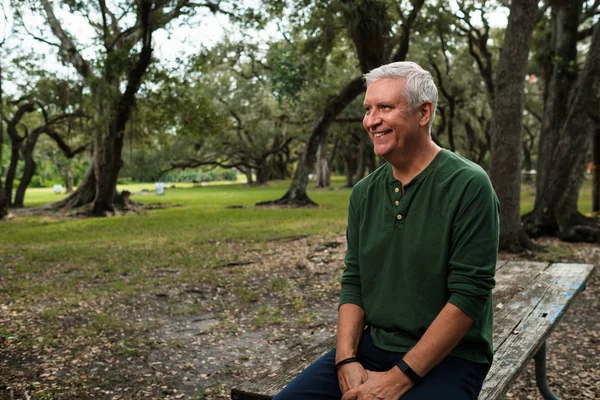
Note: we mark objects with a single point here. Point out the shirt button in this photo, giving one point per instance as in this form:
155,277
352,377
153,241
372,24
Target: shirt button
397,203
399,217
397,190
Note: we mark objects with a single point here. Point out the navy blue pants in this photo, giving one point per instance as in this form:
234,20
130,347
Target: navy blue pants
452,379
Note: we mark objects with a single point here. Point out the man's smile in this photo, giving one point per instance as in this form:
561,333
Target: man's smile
380,134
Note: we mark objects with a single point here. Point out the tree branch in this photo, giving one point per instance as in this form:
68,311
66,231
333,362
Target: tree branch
38,38
585,33
71,53
134,78
103,11
533,113
402,50
65,148
590,12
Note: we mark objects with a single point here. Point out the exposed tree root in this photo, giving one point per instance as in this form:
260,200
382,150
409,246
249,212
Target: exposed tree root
537,224
76,205
581,229
578,228
289,201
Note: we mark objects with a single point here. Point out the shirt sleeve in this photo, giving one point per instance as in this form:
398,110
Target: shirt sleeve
351,287
475,235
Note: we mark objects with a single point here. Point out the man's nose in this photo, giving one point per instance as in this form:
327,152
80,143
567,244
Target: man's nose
370,120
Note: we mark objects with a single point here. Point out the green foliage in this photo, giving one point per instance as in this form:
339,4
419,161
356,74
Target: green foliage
200,176
288,76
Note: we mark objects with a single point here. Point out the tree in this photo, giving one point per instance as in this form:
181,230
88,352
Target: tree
113,79
49,104
24,106
368,26
572,101
506,125
29,169
249,127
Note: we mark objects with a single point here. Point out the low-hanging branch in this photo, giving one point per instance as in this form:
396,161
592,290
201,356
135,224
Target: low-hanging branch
65,148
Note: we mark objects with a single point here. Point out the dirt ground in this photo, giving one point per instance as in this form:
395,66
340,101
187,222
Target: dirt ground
198,341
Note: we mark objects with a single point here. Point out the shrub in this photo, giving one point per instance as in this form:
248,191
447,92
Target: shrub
230,175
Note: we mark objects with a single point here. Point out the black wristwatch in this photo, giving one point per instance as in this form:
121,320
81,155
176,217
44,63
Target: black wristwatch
412,375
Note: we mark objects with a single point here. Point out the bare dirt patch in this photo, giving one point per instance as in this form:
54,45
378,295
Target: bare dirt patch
196,341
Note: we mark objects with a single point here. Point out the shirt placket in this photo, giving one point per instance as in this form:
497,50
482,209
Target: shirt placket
399,207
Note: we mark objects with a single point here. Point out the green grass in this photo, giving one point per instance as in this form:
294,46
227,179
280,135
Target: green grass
48,256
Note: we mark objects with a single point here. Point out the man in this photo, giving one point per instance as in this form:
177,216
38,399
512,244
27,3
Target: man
422,245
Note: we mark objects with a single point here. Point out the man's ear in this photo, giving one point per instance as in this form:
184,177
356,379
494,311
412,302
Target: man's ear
426,112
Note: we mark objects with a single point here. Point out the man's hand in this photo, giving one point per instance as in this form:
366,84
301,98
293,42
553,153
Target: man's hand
351,376
389,385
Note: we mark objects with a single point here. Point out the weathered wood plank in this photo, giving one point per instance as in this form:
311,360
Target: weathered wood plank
500,264
513,277
524,290
512,355
519,289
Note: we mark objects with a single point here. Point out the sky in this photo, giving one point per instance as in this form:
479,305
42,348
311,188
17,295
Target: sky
180,42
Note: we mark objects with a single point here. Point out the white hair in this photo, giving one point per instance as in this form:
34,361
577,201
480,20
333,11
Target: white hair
419,85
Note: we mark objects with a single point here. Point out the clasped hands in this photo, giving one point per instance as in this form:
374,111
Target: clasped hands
357,383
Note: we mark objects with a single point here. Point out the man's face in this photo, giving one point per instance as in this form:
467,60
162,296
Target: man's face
388,120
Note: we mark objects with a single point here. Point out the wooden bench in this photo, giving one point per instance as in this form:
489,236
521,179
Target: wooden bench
529,300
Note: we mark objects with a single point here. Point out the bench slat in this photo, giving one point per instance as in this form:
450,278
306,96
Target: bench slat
519,289
526,290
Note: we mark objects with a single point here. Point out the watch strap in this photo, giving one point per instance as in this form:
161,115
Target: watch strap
408,371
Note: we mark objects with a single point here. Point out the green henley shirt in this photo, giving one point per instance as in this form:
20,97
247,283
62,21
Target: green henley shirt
411,252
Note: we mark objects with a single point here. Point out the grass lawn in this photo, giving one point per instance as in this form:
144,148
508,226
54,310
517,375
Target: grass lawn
184,235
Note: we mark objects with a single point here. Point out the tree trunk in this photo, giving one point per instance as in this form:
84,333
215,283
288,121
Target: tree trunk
262,172
16,141
85,193
596,170
570,120
29,168
3,203
296,194
527,150
506,124
278,166
323,170
370,159
564,26
107,164
348,171
362,165
69,183
11,173
451,117
249,178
